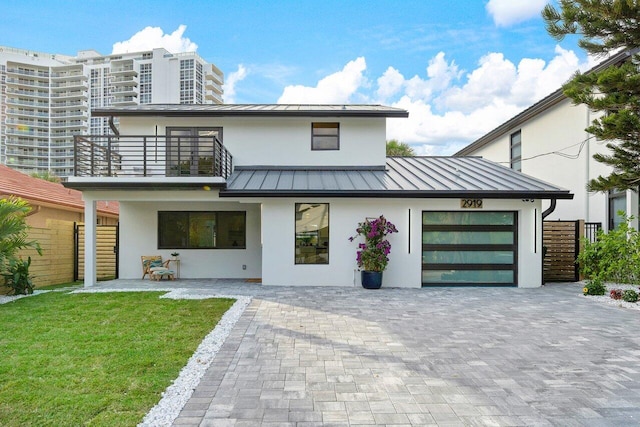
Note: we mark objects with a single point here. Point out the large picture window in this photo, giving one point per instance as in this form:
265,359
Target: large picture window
325,136
202,230
312,233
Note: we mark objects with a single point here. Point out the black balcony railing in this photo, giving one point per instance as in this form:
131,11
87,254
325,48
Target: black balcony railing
150,156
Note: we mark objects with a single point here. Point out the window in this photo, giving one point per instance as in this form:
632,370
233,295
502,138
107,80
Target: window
516,151
312,233
191,151
325,136
617,202
201,230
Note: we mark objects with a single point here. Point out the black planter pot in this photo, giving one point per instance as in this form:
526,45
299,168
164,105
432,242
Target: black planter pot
371,279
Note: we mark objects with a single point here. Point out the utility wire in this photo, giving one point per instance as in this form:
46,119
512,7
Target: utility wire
559,153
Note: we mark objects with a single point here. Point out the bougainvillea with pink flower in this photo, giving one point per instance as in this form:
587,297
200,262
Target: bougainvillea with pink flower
373,254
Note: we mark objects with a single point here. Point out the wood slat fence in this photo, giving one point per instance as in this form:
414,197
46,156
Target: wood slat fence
562,242
106,252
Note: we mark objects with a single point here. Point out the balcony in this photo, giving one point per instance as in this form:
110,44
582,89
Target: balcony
29,93
69,94
124,100
150,156
25,72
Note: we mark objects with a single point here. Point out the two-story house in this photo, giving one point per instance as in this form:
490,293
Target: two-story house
548,141
275,191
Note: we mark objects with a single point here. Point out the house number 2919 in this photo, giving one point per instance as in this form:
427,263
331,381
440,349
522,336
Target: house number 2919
471,203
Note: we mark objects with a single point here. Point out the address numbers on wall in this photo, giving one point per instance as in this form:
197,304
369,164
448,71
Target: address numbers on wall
471,203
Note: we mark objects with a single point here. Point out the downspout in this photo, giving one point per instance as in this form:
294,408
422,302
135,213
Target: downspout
545,214
113,127
550,210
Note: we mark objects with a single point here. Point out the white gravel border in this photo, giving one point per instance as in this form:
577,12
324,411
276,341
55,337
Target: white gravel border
11,298
178,393
606,299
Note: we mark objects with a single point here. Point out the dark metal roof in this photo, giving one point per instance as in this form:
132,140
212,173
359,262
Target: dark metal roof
537,108
244,110
424,177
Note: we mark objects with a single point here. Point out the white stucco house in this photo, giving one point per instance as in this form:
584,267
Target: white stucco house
275,191
548,141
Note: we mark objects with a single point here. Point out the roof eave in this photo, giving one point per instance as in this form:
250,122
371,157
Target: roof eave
545,195
96,185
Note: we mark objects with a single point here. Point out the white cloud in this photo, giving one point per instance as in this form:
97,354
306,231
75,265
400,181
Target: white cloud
153,37
390,83
448,108
230,82
509,12
336,88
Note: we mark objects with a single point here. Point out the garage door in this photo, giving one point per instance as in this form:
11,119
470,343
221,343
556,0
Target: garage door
469,248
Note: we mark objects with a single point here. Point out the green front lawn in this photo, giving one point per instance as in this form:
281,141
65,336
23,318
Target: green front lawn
98,359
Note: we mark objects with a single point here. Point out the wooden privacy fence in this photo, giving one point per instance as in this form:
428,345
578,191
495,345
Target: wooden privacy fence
55,266
562,242
106,252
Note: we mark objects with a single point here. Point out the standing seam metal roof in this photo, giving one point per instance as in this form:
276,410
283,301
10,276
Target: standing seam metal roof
247,110
433,177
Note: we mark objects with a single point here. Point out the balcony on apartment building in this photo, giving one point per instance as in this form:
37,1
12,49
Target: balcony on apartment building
135,159
43,94
27,72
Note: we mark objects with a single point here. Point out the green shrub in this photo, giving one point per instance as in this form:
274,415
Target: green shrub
614,256
17,276
594,287
630,295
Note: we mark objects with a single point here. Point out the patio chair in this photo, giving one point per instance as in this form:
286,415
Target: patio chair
153,265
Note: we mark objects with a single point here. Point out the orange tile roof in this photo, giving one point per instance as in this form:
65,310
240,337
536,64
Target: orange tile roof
38,190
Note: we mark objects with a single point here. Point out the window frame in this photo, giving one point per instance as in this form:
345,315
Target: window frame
242,245
515,159
295,236
194,158
314,135
613,219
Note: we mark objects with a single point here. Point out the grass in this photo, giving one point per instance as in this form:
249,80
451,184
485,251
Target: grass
98,359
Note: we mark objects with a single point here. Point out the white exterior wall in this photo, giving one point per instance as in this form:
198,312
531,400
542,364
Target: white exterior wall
560,128
281,141
405,266
139,233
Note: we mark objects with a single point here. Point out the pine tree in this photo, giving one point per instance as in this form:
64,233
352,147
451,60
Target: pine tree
606,26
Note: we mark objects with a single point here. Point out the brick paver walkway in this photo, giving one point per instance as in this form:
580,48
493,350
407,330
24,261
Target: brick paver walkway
443,356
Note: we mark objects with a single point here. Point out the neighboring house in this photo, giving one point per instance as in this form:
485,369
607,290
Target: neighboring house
55,215
548,141
50,200
47,98
275,191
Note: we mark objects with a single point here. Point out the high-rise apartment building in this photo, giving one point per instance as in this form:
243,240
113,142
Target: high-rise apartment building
47,98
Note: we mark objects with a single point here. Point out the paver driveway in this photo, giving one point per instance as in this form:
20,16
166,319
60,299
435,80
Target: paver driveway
442,356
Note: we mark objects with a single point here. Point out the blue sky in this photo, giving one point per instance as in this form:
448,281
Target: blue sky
460,67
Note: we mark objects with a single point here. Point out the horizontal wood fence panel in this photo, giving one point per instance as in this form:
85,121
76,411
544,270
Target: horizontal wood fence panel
562,242
106,252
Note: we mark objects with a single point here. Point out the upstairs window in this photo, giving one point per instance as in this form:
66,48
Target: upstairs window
516,151
325,136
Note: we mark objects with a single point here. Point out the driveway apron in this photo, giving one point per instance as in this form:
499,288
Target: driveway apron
407,357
